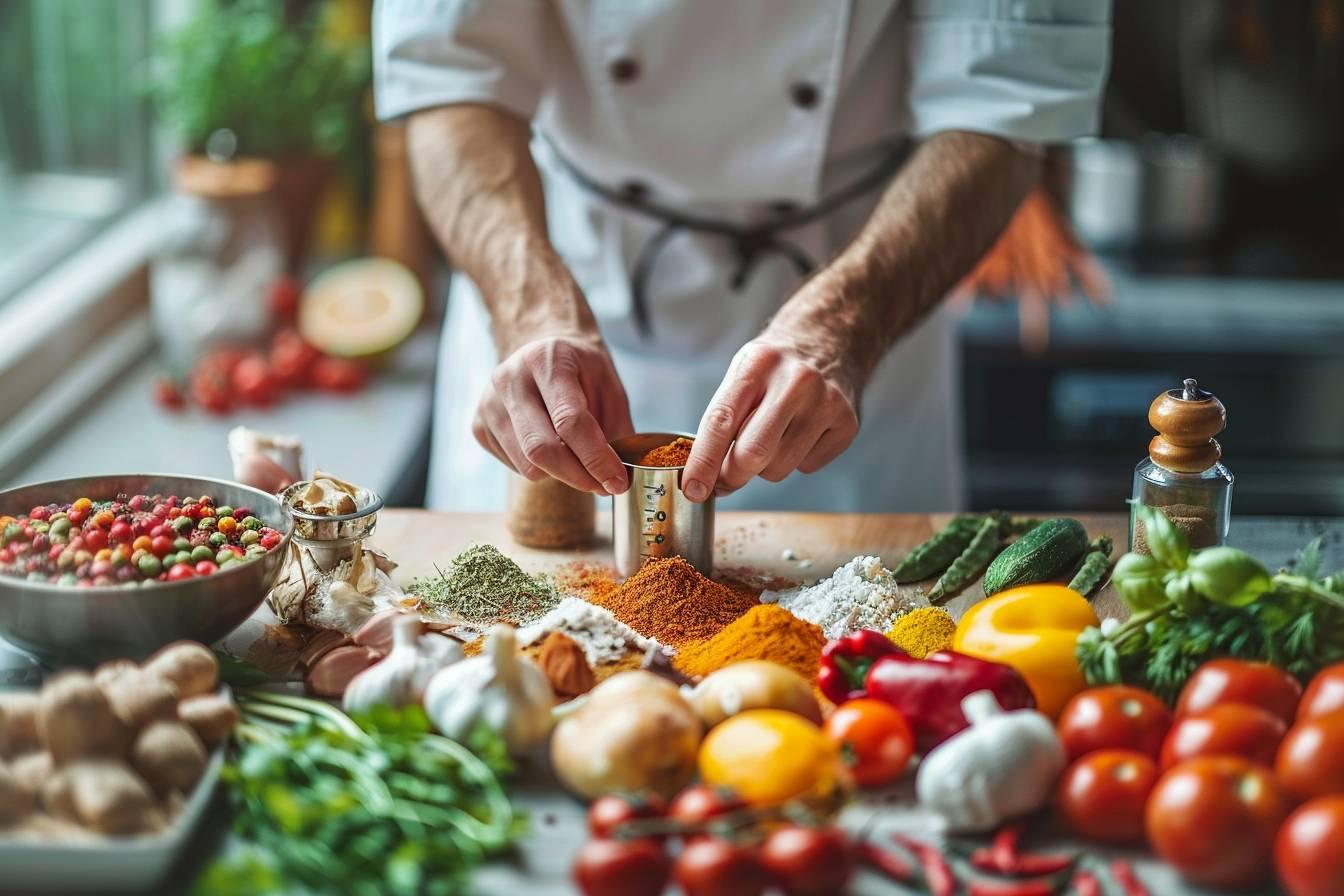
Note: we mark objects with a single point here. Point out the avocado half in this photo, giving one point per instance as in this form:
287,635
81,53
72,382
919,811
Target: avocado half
361,308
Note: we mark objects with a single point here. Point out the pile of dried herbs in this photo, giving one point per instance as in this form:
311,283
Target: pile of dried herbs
482,586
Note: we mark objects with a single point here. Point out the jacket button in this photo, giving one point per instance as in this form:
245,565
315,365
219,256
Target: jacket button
623,70
804,95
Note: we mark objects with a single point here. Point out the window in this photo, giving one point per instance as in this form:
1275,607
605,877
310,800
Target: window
74,131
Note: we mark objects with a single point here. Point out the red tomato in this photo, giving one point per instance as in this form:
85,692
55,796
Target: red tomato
607,813
209,388
621,868
1227,729
874,740
1116,717
1311,758
181,571
160,545
338,374
167,395
1309,851
805,861
254,383
120,532
77,515
699,803
206,568
95,539
1214,818
1102,795
283,298
1238,681
712,867
292,358
1324,695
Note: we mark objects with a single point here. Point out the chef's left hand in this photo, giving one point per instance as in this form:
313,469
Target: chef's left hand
788,402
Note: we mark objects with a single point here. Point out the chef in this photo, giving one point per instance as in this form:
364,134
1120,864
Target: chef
737,217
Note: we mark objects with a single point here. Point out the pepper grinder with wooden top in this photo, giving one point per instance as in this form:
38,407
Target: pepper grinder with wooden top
1182,474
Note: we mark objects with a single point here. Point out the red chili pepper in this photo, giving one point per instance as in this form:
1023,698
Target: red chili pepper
1129,882
1011,888
1004,856
938,876
1004,849
889,864
1085,883
845,663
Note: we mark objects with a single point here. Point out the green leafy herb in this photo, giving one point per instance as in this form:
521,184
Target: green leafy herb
374,805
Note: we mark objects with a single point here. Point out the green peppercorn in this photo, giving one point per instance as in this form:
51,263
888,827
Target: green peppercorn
41,525
249,536
150,566
67,578
218,538
206,524
201,552
181,544
182,524
251,522
13,531
223,510
60,527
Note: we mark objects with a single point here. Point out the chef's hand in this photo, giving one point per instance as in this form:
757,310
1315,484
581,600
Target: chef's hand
551,407
786,404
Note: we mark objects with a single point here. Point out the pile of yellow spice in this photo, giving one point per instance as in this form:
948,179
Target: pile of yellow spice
924,630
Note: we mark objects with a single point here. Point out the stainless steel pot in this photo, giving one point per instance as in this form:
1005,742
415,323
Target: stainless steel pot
63,625
1158,192
652,518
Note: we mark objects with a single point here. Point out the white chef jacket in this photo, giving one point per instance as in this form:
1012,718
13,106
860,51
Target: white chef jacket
732,109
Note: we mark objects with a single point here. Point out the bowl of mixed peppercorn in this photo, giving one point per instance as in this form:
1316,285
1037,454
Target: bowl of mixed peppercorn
117,566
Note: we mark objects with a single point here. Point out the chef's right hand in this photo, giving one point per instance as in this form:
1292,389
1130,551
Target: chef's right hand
551,408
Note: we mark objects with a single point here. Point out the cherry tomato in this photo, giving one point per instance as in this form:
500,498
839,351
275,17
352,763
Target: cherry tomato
700,803
1102,795
1227,729
181,571
77,515
206,568
254,383
283,298
94,539
1311,758
1309,851
168,395
160,545
622,868
607,813
804,861
1237,681
1214,818
1116,717
120,532
292,358
1325,693
874,739
338,374
209,388
712,867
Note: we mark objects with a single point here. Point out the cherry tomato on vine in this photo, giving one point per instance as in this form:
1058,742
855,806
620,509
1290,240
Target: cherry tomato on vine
1309,850
167,395
1214,818
709,866
805,861
1325,693
1103,794
1238,681
875,740
1232,729
283,298
1311,758
607,813
337,374
1115,717
700,802
622,868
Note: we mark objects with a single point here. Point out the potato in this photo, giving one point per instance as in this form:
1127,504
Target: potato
190,667
754,684
110,798
110,671
139,697
18,723
212,716
169,756
31,771
75,720
15,801
57,797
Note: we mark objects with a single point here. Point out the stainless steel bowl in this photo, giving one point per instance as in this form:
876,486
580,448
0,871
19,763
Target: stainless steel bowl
61,625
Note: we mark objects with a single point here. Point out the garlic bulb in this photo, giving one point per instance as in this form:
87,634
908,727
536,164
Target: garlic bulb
400,677
499,689
1003,766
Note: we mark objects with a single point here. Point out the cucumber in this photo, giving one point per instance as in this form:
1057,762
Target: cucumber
1040,555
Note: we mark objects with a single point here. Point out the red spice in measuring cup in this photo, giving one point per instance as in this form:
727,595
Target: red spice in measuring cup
673,454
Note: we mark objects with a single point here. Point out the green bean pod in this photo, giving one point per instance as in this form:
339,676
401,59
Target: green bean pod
936,554
970,562
1096,563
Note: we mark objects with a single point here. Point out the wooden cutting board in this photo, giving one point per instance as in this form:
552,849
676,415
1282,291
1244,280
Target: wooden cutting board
819,542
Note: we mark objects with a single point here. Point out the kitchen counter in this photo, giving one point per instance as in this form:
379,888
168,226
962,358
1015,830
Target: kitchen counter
418,540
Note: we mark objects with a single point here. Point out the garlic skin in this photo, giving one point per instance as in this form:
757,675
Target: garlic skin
400,678
1003,766
500,689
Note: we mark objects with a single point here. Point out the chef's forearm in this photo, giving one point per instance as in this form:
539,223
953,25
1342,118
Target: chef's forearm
936,219
480,190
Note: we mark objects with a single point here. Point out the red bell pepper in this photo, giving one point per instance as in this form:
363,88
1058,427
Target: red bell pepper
845,662
928,692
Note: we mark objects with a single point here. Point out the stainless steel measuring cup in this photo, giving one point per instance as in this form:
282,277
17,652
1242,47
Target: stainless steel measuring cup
652,518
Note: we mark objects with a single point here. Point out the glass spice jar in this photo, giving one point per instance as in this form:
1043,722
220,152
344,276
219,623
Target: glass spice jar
550,514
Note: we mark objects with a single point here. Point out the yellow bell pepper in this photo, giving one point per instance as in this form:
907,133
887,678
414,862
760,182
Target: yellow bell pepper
1034,629
770,756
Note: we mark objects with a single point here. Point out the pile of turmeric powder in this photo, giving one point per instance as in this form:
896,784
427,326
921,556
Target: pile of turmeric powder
765,632
922,631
